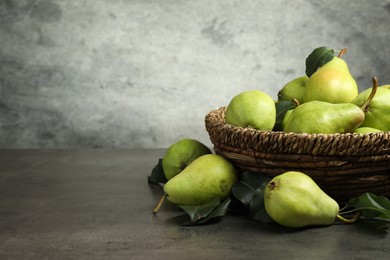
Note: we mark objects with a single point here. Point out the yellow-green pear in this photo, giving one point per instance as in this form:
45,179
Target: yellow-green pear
181,154
336,63
366,130
206,177
324,117
252,108
332,83
294,200
286,116
293,89
376,107
385,86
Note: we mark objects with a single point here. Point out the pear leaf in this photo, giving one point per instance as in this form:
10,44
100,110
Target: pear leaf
371,206
218,211
195,213
319,57
244,189
250,191
257,207
281,108
157,176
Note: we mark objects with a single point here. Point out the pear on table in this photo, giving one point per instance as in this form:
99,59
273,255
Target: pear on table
206,177
181,154
294,200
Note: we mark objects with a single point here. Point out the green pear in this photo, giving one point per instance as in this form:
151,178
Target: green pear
332,83
181,154
206,177
252,108
376,106
293,89
337,63
366,130
286,116
282,109
385,86
323,117
294,200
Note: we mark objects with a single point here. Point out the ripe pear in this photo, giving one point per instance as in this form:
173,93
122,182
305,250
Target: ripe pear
293,89
377,110
253,108
386,86
181,154
366,130
332,83
286,116
324,117
206,177
294,200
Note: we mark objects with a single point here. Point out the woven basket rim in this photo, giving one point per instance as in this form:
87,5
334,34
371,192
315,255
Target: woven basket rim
279,142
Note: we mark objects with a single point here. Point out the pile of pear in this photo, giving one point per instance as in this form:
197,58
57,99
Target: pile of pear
327,102
195,175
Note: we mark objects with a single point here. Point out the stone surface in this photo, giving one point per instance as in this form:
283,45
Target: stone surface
96,204
94,73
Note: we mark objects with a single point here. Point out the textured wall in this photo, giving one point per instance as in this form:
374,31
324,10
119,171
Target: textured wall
95,73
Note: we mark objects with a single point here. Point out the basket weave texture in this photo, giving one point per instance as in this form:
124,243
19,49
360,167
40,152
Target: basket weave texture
343,165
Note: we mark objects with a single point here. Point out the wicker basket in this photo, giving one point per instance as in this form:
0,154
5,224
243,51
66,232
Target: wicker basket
343,165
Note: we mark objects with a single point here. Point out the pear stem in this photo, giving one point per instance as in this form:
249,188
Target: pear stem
342,52
364,107
160,202
350,220
296,101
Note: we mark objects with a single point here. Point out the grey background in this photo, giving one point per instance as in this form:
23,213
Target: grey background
95,73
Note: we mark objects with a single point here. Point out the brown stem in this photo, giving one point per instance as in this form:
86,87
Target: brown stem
296,101
349,220
160,202
364,107
342,52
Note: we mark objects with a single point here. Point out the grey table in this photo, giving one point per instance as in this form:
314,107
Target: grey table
97,204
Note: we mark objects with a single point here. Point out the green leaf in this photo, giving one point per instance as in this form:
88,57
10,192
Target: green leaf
257,207
319,57
157,176
375,224
250,191
245,188
196,213
218,211
281,108
371,206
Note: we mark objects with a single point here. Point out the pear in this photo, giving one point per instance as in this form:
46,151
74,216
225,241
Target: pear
252,108
294,200
286,116
324,117
332,83
366,130
206,177
293,89
386,86
376,106
181,154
